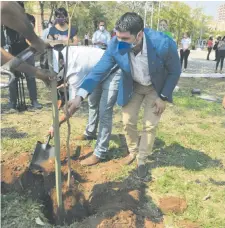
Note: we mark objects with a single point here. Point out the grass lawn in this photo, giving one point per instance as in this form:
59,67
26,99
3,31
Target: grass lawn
187,161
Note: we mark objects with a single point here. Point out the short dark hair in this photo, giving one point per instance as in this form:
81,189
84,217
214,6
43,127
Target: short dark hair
164,21
101,21
60,11
130,22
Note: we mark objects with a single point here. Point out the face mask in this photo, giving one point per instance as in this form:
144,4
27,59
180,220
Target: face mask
163,28
101,28
125,47
60,21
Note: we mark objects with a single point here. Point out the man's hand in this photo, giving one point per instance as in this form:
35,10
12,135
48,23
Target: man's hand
73,105
51,131
160,106
46,76
223,102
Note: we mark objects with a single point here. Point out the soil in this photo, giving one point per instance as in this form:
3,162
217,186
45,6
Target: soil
172,204
92,200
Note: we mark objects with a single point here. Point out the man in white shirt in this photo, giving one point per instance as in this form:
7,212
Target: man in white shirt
101,37
101,101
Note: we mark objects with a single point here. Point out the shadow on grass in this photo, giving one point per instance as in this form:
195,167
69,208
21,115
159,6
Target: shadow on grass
177,155
186,100
11,132
218,183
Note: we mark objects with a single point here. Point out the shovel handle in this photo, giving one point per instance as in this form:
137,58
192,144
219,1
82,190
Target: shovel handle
48,140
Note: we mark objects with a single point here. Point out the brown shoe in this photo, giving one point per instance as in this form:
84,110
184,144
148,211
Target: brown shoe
85,137
128,159
92,160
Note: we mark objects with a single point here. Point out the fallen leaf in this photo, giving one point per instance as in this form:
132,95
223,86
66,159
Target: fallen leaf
39,222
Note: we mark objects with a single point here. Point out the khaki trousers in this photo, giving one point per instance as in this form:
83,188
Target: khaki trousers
145,95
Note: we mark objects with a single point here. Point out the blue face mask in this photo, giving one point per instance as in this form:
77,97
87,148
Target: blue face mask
125,47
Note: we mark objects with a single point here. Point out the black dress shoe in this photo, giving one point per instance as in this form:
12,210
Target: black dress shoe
142,171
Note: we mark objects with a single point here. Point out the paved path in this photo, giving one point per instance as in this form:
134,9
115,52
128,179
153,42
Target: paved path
199,66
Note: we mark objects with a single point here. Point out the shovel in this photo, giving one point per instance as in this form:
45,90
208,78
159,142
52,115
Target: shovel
41,154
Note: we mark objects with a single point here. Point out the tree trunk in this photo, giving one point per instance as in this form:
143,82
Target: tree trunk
41,4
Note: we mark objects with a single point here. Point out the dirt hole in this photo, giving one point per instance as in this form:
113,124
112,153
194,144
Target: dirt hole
41,187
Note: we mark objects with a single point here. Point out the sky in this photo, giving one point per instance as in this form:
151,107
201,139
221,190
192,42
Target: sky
209,7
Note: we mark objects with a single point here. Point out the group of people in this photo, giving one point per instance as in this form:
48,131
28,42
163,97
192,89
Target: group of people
14,22
135,71
138,67
219,47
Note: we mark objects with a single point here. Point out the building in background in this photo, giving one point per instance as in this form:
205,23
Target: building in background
219,23
221,13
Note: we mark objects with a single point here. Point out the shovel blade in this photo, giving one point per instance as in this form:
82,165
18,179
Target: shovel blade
42,153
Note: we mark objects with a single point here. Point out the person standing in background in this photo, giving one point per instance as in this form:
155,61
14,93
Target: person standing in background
45,32
61,28
221,54
209,46
185,51
101,37
17,44
113,33
163,27
86,38
215,47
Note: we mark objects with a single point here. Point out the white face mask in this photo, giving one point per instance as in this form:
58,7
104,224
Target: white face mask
101,28
163,27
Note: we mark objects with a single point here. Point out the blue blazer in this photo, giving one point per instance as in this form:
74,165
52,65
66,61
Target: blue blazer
163,62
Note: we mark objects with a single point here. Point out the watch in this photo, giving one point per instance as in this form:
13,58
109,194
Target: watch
164,98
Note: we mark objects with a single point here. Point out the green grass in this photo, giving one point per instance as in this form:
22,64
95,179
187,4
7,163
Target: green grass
187,160
20,212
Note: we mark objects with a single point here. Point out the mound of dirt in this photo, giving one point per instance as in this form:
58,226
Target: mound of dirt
172,204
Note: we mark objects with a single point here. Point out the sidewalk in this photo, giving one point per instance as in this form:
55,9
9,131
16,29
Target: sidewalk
198,66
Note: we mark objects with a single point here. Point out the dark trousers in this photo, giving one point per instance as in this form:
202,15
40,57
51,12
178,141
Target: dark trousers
209,51
184,57
216,54
31,85
86,42
220,59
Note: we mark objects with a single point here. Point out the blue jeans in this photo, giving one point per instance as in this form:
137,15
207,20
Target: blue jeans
101,103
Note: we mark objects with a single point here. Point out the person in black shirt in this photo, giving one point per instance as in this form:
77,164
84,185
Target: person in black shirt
17,44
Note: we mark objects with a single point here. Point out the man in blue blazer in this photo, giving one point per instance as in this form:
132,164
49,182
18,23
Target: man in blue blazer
151,69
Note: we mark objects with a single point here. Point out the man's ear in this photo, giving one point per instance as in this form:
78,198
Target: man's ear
140,35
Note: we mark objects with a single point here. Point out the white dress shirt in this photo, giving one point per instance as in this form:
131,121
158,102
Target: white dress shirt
81,60
101,36
139,66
